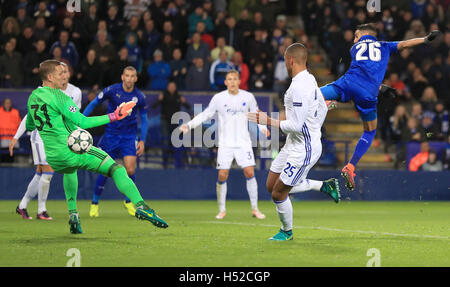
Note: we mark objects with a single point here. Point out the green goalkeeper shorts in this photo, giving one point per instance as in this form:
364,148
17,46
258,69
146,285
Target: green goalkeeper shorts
94,160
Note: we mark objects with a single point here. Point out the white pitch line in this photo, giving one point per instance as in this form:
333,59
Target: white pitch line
338,230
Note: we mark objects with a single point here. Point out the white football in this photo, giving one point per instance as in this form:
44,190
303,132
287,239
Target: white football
79,141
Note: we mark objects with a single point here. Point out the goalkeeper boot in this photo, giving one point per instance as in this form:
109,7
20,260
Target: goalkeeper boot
331,187
93,211
348,173
23,212
75,223
282,236
130,208
146,213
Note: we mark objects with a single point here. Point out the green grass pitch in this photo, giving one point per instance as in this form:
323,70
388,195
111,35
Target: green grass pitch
325,234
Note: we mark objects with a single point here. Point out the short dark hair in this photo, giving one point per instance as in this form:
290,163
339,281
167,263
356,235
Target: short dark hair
369,27
47,67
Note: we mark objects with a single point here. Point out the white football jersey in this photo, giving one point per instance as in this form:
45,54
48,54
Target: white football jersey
305,110
232,123
72,91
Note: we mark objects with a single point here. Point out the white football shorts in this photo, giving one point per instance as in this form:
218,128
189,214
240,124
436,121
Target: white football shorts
294,162
244,157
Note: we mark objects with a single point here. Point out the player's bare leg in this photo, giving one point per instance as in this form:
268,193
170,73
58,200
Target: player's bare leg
221,191
130,165
252,189
280,192
348,172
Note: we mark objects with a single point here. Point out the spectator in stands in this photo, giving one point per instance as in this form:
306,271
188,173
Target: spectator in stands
10,29
157,12
244,26
168,29
441,120
447,154
280,76
242,68
40,30
219,68
11,67
89,74
396,83
90,21
132,27
25,41
221,45
206,37
258,49
114,23
9,123
430,128
178,68
114,73
197,49
68,49
105,51
159,72
281,24
232,35
151,40
171,102
31,64
259,80
167,45
398,122
419,159
134,52
23,19
433,163
200,15
259,23
57,55
197,77
428,99
99,110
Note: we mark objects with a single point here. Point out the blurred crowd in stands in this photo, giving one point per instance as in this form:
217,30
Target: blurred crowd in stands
192,44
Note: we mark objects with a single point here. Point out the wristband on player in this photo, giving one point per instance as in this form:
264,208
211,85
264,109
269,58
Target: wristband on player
122,111
430,37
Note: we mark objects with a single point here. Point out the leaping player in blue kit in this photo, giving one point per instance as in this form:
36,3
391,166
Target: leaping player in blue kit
119,139
361,84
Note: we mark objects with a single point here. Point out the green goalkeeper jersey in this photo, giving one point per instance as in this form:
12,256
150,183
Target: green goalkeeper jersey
55,116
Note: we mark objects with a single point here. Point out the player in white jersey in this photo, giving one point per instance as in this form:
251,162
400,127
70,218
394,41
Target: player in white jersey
40,183
232,105
305,113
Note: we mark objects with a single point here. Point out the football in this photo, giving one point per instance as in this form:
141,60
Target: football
79,141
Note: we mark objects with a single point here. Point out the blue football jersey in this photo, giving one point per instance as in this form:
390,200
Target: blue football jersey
370,58
115,96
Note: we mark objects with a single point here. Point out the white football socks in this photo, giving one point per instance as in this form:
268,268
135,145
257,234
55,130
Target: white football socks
221,190
252,189
32,190
284,210
44,186
307,184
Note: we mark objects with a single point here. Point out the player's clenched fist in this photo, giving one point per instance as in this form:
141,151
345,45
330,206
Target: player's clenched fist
122,111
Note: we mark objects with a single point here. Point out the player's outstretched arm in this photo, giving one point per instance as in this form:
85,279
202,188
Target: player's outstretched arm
88,110
207,114
417,41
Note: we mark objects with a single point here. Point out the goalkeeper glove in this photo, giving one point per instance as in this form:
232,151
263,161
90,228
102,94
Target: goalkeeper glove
430,37
122,111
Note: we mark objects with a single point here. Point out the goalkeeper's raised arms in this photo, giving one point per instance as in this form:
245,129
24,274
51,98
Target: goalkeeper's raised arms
122,111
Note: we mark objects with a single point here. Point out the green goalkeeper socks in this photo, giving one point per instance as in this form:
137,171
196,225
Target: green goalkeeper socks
126,186
70,181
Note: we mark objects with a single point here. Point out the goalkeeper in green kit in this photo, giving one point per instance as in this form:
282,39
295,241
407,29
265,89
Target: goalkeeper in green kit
55,116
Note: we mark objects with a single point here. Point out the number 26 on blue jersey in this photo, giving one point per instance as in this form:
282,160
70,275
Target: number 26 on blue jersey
374,51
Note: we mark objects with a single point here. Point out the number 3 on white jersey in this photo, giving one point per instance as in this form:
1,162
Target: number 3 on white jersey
374,52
